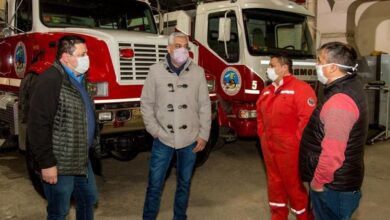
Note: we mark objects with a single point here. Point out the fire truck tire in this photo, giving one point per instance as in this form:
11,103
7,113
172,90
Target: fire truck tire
203,155
33,172
126,155
124,148
258,147
23,107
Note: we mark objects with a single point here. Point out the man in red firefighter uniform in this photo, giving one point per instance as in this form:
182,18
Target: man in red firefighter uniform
283,110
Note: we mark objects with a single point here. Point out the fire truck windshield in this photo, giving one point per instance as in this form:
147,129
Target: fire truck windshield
271,32
129,15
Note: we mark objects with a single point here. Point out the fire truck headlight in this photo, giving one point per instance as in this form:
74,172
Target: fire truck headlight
99,89
105,116
211,86
247,114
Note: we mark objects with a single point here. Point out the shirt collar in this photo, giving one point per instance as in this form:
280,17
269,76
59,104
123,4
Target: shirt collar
278,85
79,78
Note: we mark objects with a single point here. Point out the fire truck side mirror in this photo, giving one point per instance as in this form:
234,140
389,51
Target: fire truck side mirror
224,29
184,23
6,32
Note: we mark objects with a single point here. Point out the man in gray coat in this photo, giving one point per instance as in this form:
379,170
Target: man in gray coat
176,110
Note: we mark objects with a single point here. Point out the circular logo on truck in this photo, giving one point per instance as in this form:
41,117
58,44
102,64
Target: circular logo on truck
20,59
231,81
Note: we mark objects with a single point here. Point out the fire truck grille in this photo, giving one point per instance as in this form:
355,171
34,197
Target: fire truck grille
136,69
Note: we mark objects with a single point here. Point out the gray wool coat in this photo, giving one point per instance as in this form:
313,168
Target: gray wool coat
176,109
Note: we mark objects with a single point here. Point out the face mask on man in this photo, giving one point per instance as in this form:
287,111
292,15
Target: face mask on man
320,74
180,55
271,74
82,64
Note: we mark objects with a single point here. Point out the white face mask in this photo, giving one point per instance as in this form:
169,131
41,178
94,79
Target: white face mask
180,55
82,64
320,74
271,74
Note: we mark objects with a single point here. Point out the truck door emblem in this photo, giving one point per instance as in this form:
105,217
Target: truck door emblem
231,81
20,59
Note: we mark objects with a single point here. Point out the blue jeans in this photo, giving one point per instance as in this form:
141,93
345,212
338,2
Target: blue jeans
159,165
334,205
82,188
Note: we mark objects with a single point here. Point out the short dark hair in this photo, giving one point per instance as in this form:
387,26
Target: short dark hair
66,44
340,53
284,60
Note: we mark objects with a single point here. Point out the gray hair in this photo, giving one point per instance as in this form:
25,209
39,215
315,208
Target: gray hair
340,53
172,36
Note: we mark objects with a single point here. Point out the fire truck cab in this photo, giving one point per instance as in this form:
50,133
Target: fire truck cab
235,40
123,42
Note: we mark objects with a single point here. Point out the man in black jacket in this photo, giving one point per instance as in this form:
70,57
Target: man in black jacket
332,145
62,131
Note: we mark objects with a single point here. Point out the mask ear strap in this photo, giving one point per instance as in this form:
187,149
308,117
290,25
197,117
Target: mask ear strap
354,69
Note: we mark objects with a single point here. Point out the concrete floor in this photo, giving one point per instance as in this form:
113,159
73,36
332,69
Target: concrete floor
231,185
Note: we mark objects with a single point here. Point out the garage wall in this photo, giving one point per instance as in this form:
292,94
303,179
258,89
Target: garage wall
364,24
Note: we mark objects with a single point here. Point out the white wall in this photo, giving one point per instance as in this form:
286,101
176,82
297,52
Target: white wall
364,24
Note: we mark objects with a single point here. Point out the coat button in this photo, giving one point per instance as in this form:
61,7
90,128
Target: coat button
183,106
171,88
170,108
182,86
170,127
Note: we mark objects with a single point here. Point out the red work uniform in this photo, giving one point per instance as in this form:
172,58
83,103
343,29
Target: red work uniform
282,114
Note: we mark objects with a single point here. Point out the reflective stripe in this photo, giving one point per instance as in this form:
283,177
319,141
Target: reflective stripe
266,92
249,91
102,101
296,63
298,212
277,204
287,92
10,81
116,100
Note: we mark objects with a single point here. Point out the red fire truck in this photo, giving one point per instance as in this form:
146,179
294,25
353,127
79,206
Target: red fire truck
234,40
122,40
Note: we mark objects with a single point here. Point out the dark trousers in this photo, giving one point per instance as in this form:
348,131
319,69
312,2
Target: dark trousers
159,165
82,188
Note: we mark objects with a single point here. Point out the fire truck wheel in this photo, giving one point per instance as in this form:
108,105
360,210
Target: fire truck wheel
202,156
23,107
258,147
124,155
124,148
33,172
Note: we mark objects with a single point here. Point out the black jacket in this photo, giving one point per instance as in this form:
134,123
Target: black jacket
56,125
350,176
